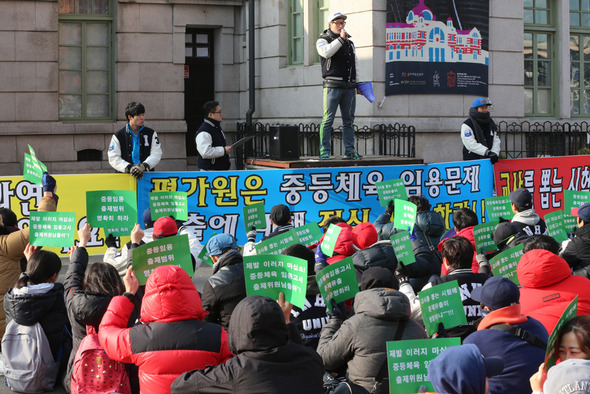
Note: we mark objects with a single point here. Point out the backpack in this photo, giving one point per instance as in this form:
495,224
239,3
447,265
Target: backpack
28,361
95,372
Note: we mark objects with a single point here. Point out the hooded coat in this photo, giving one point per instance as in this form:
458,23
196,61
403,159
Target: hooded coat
360,341
371,253
548,287
431,225
225,288
265,362
310,320
12,247
344,244
577,252
172,339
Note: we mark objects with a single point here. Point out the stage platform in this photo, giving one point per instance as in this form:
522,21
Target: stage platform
335,161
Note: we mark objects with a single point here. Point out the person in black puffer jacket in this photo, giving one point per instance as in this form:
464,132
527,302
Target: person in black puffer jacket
87,296
37,298
577,251
227,286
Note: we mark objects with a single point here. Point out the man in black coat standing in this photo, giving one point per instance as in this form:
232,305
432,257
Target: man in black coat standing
212,149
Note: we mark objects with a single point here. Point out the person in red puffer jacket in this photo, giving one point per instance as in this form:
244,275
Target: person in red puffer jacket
172,339
463,219
548,287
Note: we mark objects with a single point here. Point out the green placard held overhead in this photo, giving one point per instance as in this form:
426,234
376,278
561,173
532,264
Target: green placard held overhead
569,313
483,237
498,207
570,223
408,361
329,242
309,234
33,169
254,216
269,275
574,198
338,282
115,211
504,264
52,228
169,204
555,227
203,255
390,190
278,243
166,251
405,214
402,247
442,304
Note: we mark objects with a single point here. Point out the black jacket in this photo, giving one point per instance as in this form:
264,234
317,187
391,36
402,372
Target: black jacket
213,128
84,308
225,288
145,147
577,252
342,64
310,320
265,362
380,254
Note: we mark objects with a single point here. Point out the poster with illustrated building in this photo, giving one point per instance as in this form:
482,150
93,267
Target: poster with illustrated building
437,47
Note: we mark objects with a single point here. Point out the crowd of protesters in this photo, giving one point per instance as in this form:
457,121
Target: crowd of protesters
172,337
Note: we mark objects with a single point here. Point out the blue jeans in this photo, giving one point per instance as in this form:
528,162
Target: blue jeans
346,99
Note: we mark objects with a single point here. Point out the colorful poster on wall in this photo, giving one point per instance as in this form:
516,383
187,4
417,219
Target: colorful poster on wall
216,199
546,177
437,47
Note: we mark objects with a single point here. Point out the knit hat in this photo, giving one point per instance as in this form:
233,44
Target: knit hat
583,212
497,292
147,218
364,235
375,277
219,242
522,198
165,226
462,369
571,376
280,215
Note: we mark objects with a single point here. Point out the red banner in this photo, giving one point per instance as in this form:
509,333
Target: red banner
545,177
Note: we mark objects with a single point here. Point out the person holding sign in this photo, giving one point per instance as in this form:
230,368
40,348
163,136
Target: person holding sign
359,342
135,148
457,253
265,361
525,220
172,339
464,220
577,251
548,287
212,148
571,377
504,332
280,217
227,286
13,244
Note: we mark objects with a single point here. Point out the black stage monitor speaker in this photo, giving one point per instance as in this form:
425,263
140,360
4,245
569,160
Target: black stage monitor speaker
284,143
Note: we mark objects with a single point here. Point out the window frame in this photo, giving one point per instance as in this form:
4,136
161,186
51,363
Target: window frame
295,41
84,20
580,32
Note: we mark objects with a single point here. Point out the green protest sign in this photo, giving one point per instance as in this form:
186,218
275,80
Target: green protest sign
309,234
203,253
276,244
32,170
402,247
504,264
569,313
113,210
483,237
338,282
408,361
498,207
52,228
166,251
555,227
405,214
269,275
169,204
254,216
442,304
574,198
570,223
390,190
329,242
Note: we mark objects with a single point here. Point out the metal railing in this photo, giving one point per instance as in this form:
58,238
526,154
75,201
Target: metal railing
541,139
385,140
